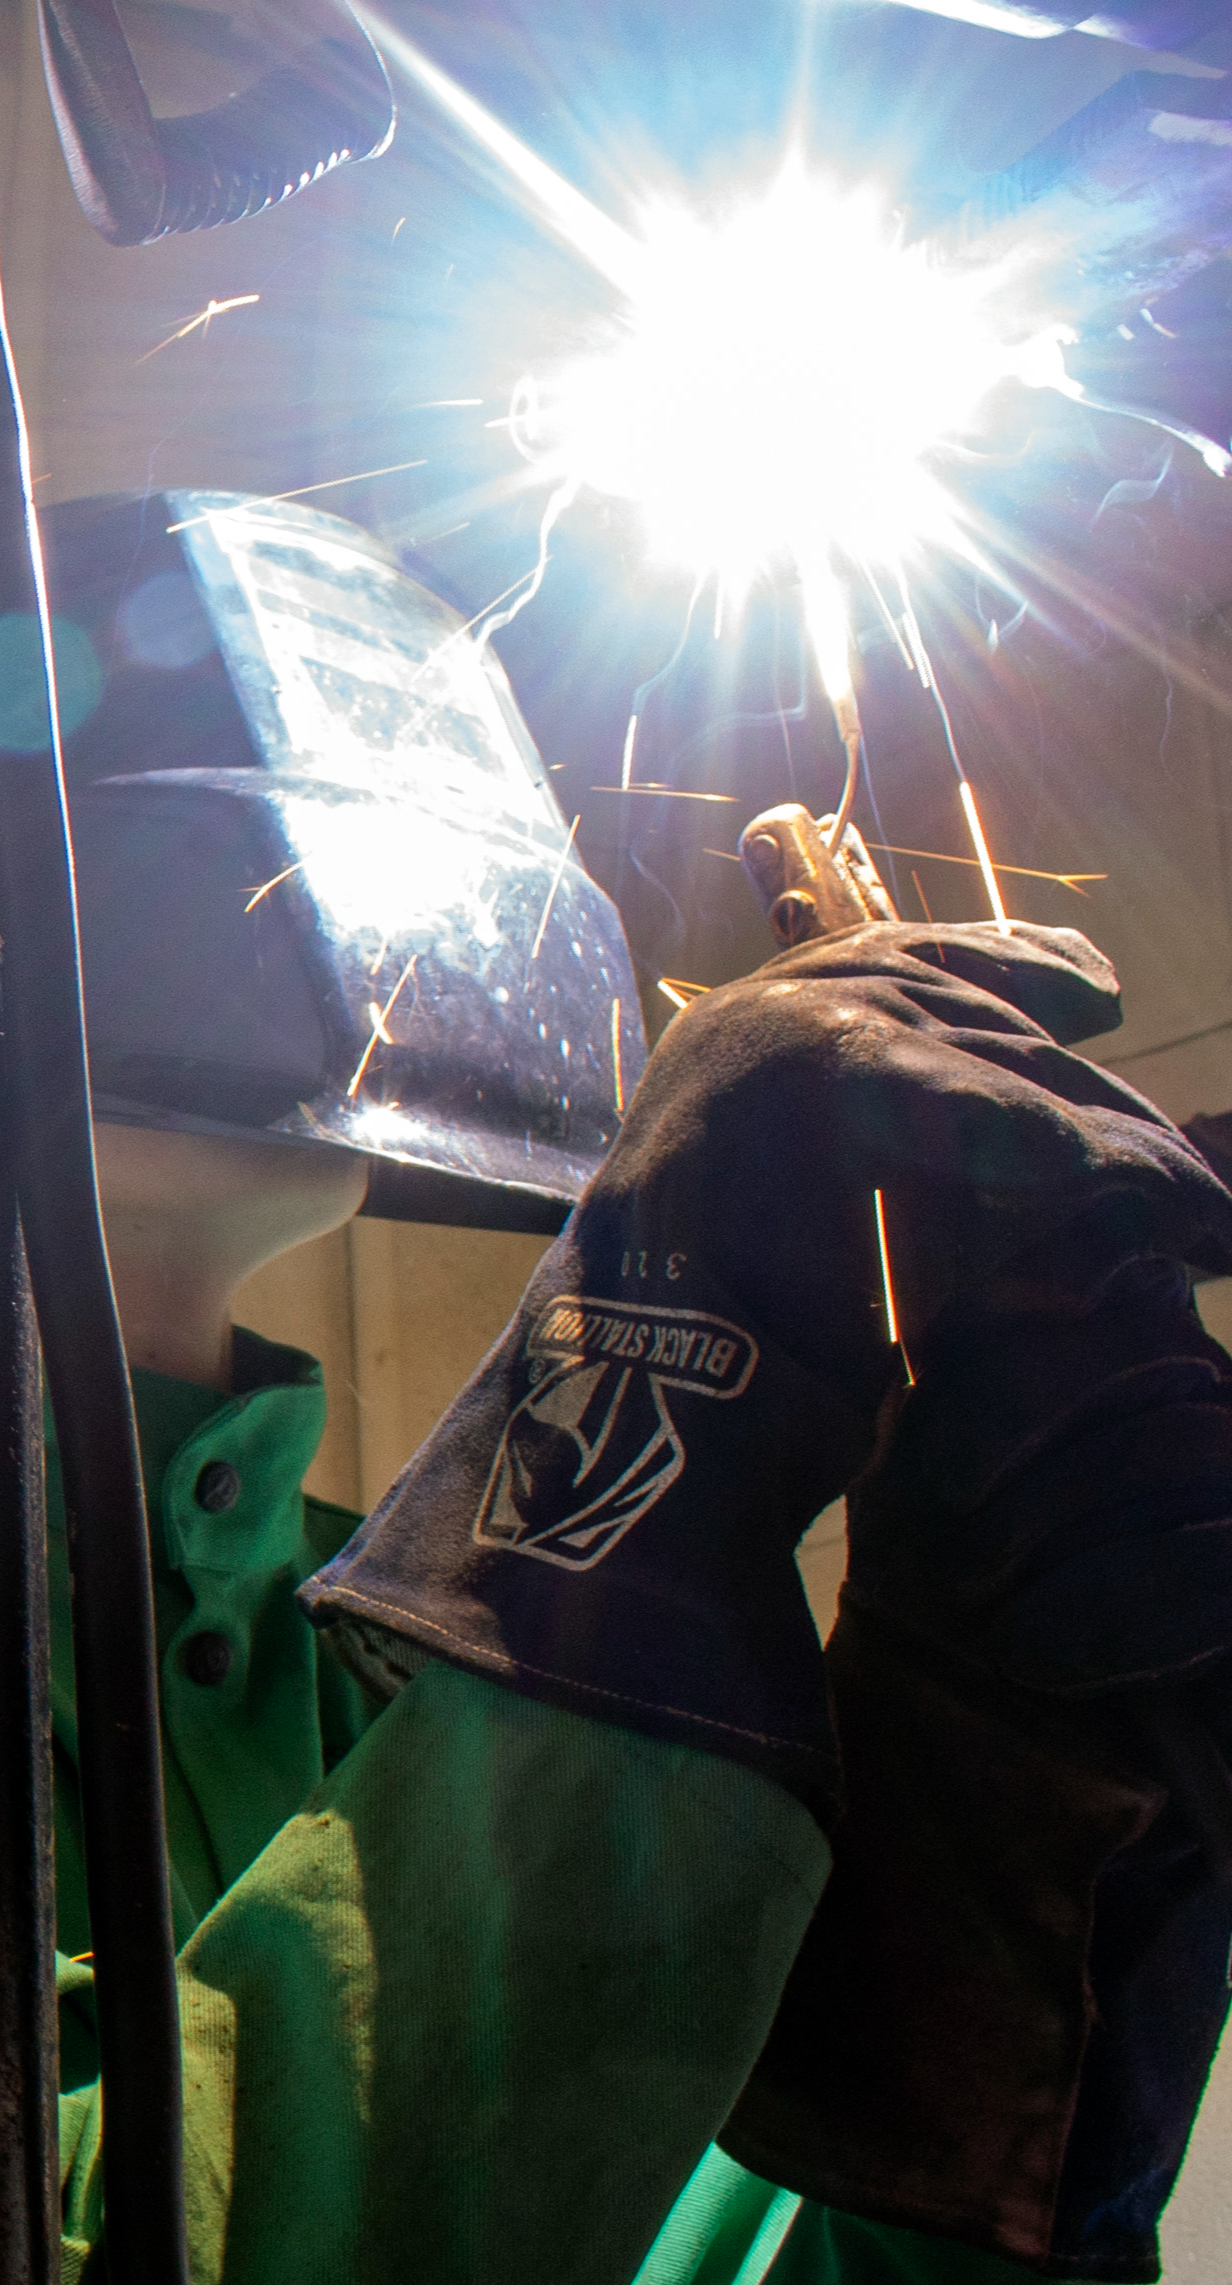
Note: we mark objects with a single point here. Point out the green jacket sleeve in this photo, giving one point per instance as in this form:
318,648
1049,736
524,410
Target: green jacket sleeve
474,2015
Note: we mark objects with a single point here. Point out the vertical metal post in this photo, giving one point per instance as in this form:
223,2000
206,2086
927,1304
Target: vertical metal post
29,2172
47,1103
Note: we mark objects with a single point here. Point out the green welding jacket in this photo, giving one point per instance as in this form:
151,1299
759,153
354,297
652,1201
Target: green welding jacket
466,1988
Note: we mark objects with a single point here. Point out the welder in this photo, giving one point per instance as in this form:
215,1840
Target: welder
295,781
474,1983
870,1227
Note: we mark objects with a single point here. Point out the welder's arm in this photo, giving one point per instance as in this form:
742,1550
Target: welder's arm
482,2007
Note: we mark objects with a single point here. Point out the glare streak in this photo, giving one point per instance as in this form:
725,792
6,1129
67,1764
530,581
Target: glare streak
585,227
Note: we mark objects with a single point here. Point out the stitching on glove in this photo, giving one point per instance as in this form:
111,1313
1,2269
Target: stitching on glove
590,1689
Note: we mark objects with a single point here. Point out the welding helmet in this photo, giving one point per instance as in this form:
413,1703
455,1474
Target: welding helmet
326,893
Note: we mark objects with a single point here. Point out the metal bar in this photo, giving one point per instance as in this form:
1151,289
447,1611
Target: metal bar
29,2168
113,1630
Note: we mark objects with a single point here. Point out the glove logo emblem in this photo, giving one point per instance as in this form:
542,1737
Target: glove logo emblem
592,1446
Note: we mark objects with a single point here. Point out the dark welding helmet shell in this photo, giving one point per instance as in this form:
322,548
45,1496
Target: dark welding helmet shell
326,895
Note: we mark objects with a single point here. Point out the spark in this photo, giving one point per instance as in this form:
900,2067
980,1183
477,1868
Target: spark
664,792
557,878
203,318
942,857
301,491
618,1077
924,667
919,890
266,886
399,224
887,1287
379,1018
669,992
626,759
991,883
680,984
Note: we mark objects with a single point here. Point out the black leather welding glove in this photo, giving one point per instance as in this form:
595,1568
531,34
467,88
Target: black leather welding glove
607,1515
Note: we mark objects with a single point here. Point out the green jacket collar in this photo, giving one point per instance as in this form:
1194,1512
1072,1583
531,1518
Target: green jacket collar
267,1432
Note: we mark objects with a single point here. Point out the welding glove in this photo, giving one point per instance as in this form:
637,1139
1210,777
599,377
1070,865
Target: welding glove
607,1515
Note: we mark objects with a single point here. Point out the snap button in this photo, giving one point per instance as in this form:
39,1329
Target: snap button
217,1487
206,1658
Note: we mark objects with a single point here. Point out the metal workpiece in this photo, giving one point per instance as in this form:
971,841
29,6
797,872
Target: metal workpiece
370,927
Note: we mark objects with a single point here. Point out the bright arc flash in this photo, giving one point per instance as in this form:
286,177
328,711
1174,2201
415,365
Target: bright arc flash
776,386
774,392
776,377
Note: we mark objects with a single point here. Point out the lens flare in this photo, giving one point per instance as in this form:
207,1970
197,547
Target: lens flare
775,387
776,392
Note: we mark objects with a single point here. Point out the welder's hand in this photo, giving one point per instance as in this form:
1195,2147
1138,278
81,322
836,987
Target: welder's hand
834,1177
608,1515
